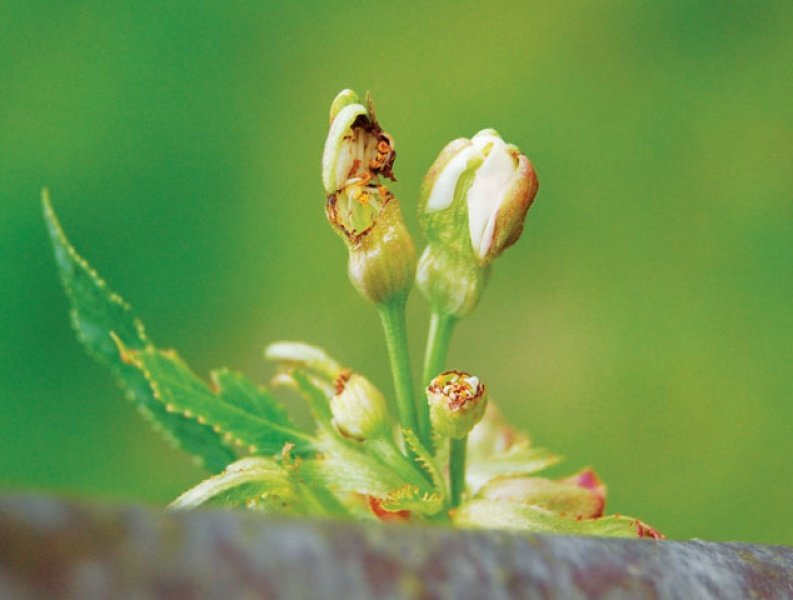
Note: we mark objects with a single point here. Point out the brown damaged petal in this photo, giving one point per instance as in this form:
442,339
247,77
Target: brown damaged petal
341,217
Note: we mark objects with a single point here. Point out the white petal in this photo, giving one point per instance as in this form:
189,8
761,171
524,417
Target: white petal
442,193
488,191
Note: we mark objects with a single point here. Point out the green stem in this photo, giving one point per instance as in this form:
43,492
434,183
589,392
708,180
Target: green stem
441,328
440,335
392,315
457,469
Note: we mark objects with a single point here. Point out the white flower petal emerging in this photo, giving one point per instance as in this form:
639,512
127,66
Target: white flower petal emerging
495,182
487,193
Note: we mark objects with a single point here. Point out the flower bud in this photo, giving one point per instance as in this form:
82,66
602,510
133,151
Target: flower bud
457,402
358,408
475,196
358,156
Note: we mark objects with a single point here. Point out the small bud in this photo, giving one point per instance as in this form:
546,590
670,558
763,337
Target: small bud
457,402
358,156
358,408
482,187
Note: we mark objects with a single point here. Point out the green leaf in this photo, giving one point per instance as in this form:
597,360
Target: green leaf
96,311
565,496
519,460
235,390
524,517
374,468
343,468
314,391
181,392
306,356
253,482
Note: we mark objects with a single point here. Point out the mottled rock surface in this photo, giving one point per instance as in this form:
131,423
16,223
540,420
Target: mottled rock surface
55,549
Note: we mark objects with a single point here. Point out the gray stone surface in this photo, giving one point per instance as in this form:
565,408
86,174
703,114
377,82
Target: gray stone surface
55,549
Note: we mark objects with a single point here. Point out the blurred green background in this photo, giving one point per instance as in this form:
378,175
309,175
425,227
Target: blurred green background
642,325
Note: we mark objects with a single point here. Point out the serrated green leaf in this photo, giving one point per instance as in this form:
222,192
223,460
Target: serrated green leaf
314,391
496,514
180,391
236,390
96,311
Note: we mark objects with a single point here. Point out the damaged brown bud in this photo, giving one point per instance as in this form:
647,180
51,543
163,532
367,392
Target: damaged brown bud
457,402
358,157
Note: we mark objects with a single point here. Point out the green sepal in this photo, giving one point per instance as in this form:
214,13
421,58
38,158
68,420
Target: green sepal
181,392
426,461
494,514
96,312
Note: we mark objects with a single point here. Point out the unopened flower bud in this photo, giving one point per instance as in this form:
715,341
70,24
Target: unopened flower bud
475,196
358,408
457,402
358,157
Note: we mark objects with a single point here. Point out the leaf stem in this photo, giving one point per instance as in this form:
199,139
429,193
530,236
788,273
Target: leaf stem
457,469
392,315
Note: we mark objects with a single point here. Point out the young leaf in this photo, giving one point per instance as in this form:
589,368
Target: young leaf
500,514
519,460
343,468
235,390
180,391
375,469
564,496
300,354
315,391
251,482
96,311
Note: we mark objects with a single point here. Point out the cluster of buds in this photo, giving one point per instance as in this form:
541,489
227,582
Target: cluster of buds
457,402
357,159
473,205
